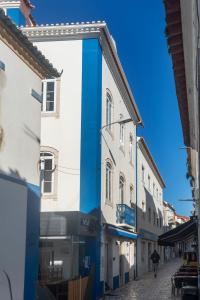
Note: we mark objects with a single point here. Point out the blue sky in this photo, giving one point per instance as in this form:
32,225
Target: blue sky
138,29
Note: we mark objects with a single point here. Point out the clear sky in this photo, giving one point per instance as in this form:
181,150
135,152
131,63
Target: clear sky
138,29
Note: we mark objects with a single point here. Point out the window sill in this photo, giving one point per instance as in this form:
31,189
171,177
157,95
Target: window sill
50,114
49,197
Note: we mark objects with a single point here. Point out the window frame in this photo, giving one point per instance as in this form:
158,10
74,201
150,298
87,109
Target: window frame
121,201
53,175
143,173
109,200
109,108
131,194
55,153
131,153
122,136
44,96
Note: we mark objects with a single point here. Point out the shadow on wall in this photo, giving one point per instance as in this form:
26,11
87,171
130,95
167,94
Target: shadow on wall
12,173
2,86
31,134
156,223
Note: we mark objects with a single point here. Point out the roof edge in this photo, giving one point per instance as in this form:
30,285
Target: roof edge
156,171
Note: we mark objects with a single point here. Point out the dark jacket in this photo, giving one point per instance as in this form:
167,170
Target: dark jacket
155,257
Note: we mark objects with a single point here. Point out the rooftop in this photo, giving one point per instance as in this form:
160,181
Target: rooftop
16,37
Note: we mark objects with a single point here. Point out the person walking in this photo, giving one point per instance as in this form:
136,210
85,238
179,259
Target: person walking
155,257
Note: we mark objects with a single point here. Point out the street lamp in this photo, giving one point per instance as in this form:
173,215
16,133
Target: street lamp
120,122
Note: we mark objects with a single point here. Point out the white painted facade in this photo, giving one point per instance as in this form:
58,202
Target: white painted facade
19,158
149,207
20,107
62,132
112,247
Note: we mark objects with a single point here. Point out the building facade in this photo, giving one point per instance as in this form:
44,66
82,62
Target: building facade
169,216
22,68
150,216
88,139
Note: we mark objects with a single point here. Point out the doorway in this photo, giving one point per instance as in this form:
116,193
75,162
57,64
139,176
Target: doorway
149,256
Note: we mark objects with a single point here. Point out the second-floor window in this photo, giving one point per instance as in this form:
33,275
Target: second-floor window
154,218
108,111
131,148
121,138
149,182
143,173
121,189
47,172
143,209
108,181
131,195
49,95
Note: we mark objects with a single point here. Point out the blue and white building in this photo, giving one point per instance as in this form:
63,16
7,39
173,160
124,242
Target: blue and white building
88,148
22,69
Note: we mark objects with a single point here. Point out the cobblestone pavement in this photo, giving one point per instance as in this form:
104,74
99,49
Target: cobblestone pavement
148,287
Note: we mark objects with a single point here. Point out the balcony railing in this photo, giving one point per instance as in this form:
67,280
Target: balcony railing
125,215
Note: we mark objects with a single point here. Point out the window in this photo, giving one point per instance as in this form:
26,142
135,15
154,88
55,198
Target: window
153,189
108,181
121,189
108,111
122,135
157,194
160,222
47,172
131,195
143,210
131,149
49,95
142,173
154,218
149,183
157,222
149,215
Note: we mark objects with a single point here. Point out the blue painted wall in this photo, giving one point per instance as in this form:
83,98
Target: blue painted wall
90,173
32,242
16,15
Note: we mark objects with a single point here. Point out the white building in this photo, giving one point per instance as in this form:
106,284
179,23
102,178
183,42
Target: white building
22,68
88,151
150,187
169,216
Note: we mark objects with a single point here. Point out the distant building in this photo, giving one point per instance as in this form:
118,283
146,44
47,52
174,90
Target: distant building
169,216
150,216
88,154
22,68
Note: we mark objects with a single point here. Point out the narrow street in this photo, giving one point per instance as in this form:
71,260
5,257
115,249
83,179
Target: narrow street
148,287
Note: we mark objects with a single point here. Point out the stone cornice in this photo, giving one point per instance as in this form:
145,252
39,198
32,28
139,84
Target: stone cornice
71,31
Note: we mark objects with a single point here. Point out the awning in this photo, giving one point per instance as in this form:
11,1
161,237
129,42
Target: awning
116,231
181,233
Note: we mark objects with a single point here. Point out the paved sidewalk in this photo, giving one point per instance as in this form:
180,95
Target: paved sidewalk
148,287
